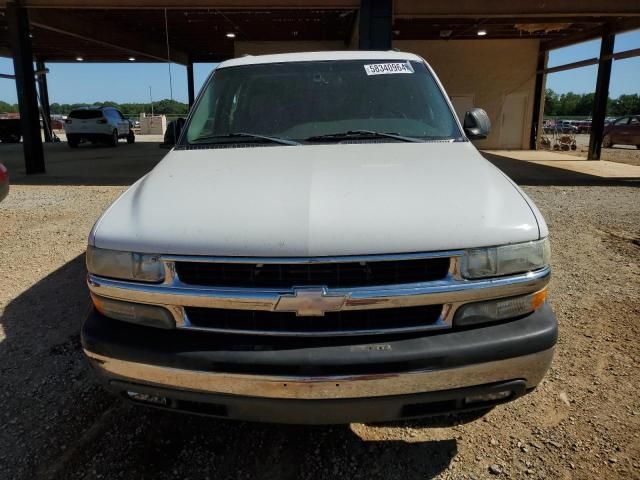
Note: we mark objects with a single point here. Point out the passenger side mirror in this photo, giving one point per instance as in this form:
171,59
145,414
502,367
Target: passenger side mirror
476,124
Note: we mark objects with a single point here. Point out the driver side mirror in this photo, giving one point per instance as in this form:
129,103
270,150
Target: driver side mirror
171,136
476,124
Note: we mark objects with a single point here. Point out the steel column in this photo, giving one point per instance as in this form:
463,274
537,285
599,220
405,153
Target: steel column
190,83
601,95
18,21
44,99
538,99
375,25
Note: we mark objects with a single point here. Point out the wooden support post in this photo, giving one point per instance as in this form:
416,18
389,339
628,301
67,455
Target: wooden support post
538,99
44,100
375,25
190,83
18,22
601,95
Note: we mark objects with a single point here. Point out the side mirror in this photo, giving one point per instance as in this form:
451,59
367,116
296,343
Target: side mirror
476,124
174,129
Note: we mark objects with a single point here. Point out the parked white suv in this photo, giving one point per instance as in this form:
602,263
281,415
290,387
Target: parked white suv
97,125
323,245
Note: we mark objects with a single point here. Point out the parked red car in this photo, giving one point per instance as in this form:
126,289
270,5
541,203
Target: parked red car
4,182
622,131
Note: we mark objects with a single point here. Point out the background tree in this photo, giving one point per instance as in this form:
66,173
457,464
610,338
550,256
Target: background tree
581,105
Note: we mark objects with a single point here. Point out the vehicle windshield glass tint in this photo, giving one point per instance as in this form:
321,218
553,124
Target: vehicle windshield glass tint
299,100
85,114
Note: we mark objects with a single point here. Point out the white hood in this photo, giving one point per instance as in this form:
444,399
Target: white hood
318,200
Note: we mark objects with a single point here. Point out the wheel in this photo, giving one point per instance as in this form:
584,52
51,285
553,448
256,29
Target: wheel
72,142
606,141
114,139
131,138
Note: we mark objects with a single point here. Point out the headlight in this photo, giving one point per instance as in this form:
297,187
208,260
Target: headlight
506,260
124,265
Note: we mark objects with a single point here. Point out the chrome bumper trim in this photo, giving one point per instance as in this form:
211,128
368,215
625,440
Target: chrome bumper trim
450,291
531,368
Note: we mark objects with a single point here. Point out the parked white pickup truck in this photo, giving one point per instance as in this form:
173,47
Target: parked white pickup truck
323,245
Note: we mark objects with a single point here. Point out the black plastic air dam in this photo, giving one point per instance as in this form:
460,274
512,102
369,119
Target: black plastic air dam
211,352
327,412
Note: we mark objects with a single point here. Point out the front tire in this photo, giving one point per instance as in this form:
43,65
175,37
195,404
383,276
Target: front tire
114,139
72,142
606,141
131,138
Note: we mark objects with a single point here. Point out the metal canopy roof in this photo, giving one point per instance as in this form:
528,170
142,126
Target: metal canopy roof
101,31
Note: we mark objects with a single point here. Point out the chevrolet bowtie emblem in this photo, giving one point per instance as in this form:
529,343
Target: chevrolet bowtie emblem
310,301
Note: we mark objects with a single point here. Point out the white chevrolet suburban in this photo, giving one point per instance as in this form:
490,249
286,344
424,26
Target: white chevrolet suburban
322,245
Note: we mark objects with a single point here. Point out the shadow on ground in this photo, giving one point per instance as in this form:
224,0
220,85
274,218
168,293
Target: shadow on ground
86,165
58,423
103,165
534,174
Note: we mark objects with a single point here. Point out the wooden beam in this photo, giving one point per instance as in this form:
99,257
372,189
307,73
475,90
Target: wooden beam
619,26
191,4
514,8
634,52
570,66
106,35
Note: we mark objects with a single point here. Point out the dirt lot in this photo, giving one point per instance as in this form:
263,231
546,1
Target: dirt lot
618,153
582,422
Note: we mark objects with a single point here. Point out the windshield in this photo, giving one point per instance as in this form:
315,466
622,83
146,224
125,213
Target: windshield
86,114
302,100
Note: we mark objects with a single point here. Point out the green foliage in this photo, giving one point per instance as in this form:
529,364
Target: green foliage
162,107
7,107
581,105
565,105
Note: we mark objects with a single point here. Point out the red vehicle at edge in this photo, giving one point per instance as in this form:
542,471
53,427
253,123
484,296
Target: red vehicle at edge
622,131
4,182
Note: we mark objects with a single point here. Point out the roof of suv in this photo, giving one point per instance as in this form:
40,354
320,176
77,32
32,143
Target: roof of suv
320,57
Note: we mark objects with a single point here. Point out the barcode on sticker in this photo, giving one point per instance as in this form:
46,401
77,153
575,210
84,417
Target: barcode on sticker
388,68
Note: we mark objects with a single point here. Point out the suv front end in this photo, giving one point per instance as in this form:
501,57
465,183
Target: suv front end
429,334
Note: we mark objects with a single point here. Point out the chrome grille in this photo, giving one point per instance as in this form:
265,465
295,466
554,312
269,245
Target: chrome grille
350,322
331,275
348,295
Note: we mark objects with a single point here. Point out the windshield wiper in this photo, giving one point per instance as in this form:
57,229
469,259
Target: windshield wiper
362,134
231,136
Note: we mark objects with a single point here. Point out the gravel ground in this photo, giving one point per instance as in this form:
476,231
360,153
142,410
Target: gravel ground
582,422
618,153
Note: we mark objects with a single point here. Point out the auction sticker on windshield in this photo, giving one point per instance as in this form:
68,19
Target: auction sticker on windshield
388,68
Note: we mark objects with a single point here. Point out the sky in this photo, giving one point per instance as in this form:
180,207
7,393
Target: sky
130,82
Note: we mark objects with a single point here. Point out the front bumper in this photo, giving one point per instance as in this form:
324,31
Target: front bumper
323,381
